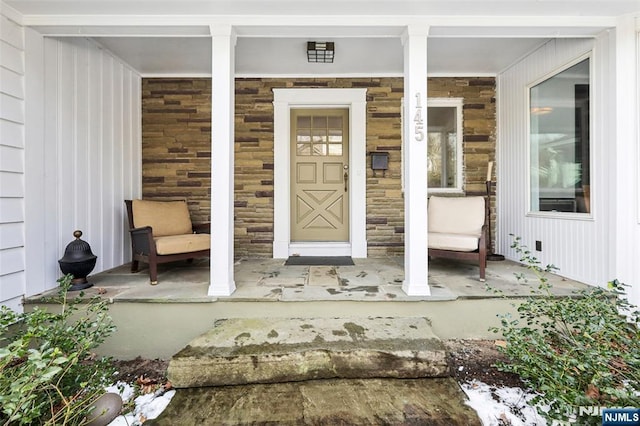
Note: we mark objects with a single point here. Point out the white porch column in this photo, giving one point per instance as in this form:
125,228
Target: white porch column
415,161
222,160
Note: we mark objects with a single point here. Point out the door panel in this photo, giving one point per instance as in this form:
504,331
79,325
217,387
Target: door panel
320,167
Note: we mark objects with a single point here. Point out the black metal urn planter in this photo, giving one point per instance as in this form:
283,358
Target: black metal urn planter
79,261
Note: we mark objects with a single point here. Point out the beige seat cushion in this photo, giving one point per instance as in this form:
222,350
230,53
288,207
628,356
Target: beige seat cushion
456,242
186,243
456,215
165,217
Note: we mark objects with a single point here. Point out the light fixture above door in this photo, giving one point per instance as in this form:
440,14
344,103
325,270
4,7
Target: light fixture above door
320,51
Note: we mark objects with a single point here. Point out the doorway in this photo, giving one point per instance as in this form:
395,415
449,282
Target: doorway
323,204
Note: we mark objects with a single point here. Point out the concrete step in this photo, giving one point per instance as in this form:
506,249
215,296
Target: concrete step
436,402
277,350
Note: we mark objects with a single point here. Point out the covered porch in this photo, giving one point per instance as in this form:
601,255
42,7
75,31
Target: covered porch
223,141
97,79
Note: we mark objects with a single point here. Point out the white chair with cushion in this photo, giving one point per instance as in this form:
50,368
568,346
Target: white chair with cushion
457,229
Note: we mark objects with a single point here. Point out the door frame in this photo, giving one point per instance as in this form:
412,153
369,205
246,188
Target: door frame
283,101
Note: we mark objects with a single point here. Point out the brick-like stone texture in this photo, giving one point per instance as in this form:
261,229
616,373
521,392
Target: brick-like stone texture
176,142
176,149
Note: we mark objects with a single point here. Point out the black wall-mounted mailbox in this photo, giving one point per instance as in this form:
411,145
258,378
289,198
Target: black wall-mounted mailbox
379,161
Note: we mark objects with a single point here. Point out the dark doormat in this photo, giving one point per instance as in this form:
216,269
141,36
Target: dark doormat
319,260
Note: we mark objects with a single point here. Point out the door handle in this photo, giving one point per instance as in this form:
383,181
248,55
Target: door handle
346,180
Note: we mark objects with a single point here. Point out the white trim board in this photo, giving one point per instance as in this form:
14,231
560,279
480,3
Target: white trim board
283,101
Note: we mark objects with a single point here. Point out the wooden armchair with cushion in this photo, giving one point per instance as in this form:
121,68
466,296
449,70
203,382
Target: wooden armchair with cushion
161,231
457,229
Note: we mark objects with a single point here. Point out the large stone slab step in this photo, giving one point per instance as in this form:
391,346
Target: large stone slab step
435,402
276,350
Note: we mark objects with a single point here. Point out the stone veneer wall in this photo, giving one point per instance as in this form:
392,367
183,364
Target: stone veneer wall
176,149
176,142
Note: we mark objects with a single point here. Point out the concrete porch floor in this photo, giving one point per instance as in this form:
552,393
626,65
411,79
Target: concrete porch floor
158,321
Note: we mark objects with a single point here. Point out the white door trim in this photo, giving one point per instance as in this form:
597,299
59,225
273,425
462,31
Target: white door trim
283,101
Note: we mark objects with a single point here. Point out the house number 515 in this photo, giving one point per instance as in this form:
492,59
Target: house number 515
417,120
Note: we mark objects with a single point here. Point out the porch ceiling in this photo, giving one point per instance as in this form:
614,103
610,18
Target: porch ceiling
172,38
279,56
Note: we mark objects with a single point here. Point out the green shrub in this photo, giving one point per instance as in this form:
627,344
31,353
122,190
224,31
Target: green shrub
48,373
579,351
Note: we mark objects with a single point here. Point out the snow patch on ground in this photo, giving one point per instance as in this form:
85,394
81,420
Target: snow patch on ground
148,406
502,405
125,390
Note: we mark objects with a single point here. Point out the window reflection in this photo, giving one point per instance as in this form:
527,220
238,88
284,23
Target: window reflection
442,148
319,135
559,142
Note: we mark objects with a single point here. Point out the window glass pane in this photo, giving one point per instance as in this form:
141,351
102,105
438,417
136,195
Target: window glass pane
559,139
319,149
335,149
335,135
442,147
303,149
451,159
303,135
320,122
319,135
335,122
304,121
434,160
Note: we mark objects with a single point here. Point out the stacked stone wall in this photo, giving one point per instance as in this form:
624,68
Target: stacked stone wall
177,137
176,142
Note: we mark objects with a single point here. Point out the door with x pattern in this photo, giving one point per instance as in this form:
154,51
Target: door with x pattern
319,175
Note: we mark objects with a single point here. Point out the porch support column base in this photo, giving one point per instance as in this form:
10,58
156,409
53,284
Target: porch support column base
222,289
416,289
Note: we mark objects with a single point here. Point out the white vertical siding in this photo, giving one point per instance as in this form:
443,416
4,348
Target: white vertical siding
627,170
582,249
12,164
85,154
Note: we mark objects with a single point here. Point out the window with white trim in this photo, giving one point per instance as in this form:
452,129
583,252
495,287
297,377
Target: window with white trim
444,149
559,116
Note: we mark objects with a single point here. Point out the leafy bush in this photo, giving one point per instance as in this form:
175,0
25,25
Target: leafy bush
580,351
48,374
